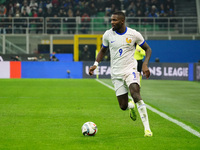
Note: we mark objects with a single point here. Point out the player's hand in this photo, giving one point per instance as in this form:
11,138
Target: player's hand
91,70
146,71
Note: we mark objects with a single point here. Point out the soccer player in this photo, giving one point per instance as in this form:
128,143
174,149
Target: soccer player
125,77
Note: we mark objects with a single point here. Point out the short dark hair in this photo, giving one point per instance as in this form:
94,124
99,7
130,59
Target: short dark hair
119,13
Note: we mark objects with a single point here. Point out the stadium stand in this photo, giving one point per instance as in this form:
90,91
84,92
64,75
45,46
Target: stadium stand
32,7
56,22
189,11
45,16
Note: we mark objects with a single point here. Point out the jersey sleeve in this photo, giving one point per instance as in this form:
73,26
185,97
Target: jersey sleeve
105,39
139,39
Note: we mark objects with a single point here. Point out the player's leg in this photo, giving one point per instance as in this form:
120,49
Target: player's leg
122,95
135,93
123,101
125,104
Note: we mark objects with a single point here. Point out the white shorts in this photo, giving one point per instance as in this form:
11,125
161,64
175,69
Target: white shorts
122,85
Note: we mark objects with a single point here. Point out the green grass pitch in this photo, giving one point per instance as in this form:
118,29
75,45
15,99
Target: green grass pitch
47,114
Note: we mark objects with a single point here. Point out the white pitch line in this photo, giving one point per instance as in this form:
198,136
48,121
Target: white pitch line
182,125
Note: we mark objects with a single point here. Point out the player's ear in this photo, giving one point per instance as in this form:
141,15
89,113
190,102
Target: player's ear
122,21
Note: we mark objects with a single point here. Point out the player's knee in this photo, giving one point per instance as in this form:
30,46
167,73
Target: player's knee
135,92
136,97
123,107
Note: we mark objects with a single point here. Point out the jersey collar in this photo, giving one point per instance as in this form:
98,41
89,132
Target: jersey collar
121,33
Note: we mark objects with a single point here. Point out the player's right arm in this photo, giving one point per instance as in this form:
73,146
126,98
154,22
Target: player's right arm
101,53
100,56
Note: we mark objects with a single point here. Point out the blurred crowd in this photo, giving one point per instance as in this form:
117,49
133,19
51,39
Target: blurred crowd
75,12
88,8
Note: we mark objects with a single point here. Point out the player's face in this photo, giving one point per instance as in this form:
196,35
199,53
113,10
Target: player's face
116,22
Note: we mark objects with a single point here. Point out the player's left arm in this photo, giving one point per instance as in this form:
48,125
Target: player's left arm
145,68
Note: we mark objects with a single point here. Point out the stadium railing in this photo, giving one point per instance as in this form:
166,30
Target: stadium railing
97,25
25,35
